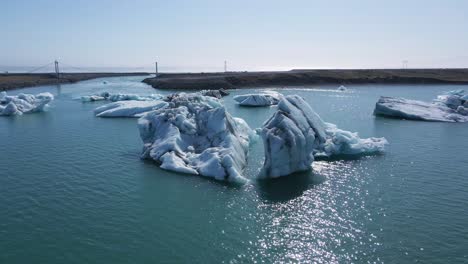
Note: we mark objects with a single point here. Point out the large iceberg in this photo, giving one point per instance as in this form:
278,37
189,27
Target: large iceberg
106,96
295,134
449,107
195,134
260,99
23,103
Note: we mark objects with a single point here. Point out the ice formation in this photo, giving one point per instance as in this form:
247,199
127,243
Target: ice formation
449,107
24,103
128,108
342,88
260,99
105,96
195,134
295,134
215,93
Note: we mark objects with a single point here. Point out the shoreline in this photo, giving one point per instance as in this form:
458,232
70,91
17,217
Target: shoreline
236,80
12,81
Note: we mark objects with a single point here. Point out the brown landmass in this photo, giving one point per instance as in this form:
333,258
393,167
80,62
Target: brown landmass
231,80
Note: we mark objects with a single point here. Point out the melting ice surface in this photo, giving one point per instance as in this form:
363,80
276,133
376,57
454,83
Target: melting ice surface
24,103
260,99
449,107
194,134
295,134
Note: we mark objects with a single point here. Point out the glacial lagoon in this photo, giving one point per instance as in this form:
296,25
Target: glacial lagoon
73,188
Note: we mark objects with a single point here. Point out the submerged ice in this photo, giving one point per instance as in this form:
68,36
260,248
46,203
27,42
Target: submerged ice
449,107
24,103
260,99
195,134
296,134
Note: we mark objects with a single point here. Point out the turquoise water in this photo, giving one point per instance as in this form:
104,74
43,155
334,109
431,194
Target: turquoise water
73,190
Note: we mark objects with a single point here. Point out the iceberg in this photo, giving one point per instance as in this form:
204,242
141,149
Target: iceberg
24,103
449,107
194,134
260,99
215,93
105,96
296,134
128,108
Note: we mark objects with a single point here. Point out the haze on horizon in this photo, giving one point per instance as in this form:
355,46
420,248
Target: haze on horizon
250,35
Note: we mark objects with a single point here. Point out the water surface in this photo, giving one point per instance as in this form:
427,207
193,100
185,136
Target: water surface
73,189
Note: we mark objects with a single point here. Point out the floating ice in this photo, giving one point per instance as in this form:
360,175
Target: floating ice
24,103
450,107
295,134
105,96
342,142
261,99
215,93
195,134
128,108
342,88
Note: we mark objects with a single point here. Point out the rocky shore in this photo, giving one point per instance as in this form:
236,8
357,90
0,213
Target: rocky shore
232,80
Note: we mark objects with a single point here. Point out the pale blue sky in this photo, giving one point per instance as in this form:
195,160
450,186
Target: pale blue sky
249,34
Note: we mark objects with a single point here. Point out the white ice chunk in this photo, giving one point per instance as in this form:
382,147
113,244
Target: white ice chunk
135,97
342,142
443,109
260,99
195,134
215,93
24,103
128,108
295,134
92,98
105,96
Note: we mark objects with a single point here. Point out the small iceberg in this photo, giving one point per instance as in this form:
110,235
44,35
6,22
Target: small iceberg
105,96
194,134
296,134
449,107
342,88
128,108
24,103
215,93
260,99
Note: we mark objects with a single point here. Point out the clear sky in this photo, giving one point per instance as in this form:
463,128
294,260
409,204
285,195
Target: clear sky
248,34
